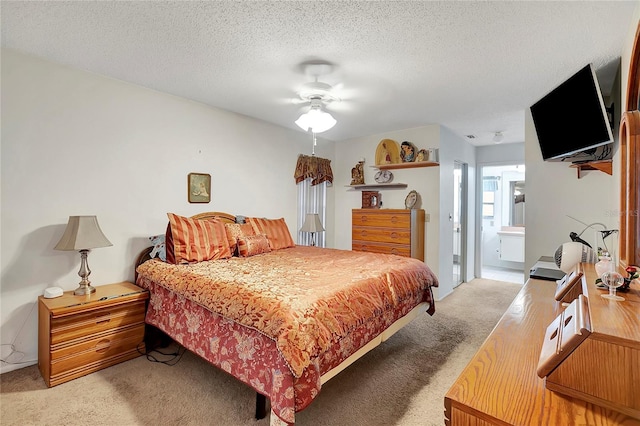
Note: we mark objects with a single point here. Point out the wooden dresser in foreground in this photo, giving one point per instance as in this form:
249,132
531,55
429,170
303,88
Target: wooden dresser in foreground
78,335
391,231
601,377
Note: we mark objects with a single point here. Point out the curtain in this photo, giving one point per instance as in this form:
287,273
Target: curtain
313,175
312,199
490,183
316,168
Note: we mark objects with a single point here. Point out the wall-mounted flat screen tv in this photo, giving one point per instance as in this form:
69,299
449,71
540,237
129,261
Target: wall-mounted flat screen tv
572,118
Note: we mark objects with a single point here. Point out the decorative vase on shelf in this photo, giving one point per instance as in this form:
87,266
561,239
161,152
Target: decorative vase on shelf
603,265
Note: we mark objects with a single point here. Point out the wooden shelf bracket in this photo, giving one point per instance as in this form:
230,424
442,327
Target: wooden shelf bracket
605,166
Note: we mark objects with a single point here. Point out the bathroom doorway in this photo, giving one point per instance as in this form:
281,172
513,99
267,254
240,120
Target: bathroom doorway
503,216
459,222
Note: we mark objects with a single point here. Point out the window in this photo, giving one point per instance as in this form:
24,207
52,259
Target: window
311,199
488,200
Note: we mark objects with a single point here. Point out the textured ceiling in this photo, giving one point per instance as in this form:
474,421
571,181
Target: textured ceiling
473,67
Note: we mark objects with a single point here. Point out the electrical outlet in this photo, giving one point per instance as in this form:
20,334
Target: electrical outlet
427,217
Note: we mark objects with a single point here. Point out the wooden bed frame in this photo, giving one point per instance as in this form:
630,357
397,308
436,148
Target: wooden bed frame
261,400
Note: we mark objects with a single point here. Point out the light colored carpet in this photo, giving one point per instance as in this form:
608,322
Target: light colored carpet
401,382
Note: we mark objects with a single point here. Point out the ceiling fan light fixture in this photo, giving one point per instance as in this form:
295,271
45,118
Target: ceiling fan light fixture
316,119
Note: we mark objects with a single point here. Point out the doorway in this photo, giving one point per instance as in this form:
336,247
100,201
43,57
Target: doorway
503,231
459,222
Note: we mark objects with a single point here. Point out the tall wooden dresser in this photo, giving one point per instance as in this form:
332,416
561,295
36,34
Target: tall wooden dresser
391,231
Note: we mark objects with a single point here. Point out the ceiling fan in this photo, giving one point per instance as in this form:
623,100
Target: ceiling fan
317,94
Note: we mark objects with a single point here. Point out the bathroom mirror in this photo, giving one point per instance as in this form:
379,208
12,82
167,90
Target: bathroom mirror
516,209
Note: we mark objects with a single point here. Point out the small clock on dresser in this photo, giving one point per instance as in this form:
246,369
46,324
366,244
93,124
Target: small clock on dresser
383,176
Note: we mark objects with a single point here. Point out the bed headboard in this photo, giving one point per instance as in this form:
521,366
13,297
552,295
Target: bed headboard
145,254
224,217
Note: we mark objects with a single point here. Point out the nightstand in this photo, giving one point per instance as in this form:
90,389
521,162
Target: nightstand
78,335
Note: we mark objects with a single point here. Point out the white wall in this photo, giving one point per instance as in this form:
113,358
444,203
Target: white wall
76,143
508,153
554,191
434,184
424,180
454,148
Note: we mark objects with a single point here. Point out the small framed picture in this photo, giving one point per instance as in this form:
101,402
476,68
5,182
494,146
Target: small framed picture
411,200
199,188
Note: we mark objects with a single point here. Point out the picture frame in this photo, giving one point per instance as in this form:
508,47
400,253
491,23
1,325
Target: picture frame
411,200
371,200
408,152
199,187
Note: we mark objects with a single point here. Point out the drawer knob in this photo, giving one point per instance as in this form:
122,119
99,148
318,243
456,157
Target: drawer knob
394,235
363,233
363,218
394,219
103,318
103,345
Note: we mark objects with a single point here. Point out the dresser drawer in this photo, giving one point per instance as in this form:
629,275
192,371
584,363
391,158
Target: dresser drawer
401,250
381,235
382,219
67,328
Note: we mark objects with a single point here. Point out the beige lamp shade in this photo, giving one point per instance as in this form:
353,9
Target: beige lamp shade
312,223
82,233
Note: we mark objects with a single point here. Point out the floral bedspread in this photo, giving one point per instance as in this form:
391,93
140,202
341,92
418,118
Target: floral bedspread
300,311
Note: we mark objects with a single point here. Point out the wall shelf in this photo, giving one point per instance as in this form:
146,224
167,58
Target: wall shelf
377,186
605,166
411,165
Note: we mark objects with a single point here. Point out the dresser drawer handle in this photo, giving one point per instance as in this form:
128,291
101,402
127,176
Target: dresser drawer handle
103,345
394,251
104,318
394,235
394,219
363,218
363,233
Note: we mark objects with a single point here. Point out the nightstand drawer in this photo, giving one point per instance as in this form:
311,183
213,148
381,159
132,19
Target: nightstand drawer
67,328
394,236
96,350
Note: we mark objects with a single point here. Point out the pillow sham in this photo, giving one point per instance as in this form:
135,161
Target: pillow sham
168,245
196,240
250,245
159,247
276,231
235,231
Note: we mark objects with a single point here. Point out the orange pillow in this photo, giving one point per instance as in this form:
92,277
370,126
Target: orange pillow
251,245
196,240
276,231
235,231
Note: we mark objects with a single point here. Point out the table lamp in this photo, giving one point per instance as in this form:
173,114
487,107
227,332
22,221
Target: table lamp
312,224
82,234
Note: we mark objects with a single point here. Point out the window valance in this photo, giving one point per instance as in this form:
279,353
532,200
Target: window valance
316,168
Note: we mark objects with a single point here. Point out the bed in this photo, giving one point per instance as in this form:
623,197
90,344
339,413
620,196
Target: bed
283,318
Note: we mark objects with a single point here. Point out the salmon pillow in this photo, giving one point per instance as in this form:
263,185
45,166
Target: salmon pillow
235,231
197,240
252,245
276,231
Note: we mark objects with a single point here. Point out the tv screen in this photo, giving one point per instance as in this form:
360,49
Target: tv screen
572,118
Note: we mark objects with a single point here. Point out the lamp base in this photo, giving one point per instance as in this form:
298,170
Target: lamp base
84,290
84,272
